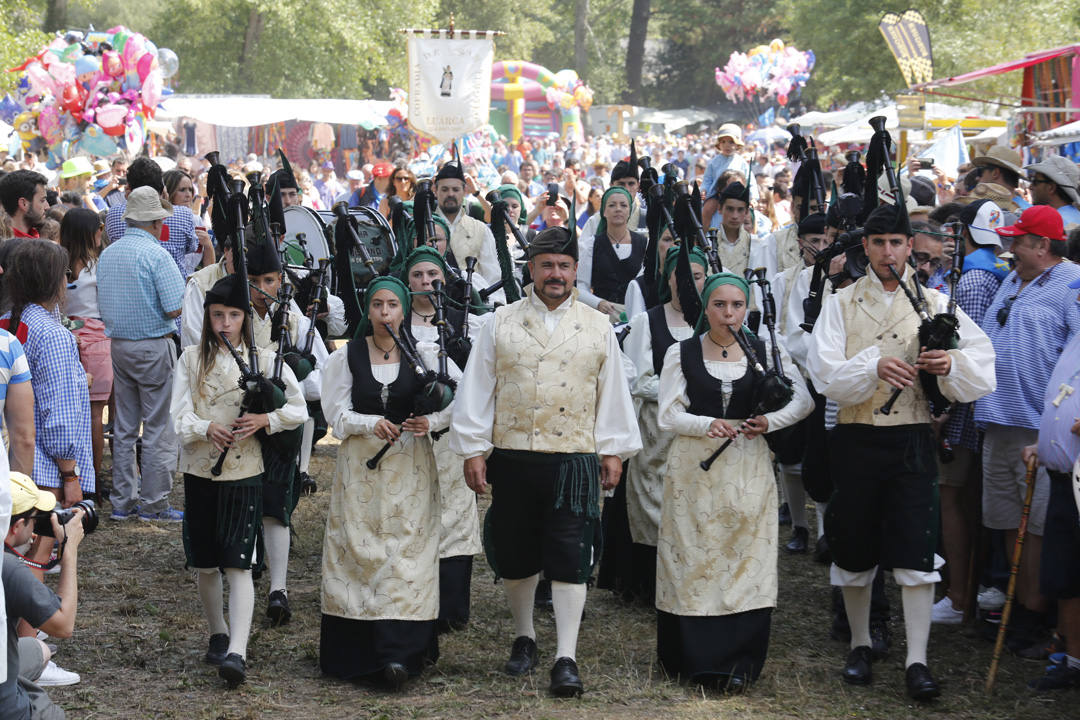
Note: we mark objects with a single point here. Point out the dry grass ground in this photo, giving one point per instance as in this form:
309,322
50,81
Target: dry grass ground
140,638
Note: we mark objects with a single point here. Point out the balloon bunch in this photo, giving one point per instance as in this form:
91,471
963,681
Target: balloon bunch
568,92
768,71
89,93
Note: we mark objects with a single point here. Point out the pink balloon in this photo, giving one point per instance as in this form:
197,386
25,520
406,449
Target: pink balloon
146,65
151,92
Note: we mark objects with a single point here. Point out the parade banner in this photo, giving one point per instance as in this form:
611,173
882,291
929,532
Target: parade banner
909,39
449,81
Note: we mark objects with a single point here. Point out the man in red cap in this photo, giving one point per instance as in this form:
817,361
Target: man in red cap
1032,318
380,185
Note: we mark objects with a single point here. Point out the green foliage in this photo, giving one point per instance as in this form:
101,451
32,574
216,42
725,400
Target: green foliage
19,38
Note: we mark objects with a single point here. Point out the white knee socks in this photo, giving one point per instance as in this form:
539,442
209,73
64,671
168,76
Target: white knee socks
820,518
276,542
213,603
305,446
857,606
521,594
918,607
794,493
241,609
568,601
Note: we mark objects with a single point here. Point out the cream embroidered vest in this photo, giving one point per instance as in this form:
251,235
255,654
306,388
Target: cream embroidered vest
218,400
787,248
467,238
895,330
545,384
208,276
264,326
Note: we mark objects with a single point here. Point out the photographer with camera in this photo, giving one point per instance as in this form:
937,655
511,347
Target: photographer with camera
27,598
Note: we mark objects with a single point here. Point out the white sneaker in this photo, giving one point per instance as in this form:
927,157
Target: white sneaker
945,614
991,599
55,676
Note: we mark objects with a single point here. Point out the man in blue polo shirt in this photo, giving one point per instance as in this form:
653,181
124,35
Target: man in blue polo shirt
1054,182
1032,318
140,293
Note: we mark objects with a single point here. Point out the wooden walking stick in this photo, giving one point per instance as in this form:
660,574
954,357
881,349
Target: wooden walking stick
1029,479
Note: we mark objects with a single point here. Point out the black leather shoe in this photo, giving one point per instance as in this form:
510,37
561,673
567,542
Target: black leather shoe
277,609
880,639
799,538
920,683
395,675
523,656
821,551
542,596
731,684
308,486
785,514
565,681
233,670
219,645
857,668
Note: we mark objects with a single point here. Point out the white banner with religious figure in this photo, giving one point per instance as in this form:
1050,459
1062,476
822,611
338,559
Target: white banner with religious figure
449,82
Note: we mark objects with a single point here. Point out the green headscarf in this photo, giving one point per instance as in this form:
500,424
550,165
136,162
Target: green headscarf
425,253
508,190
713,282
602,228
670,261
382,282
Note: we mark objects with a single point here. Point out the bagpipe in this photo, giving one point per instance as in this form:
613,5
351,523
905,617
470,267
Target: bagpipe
773,390
229,217
436,394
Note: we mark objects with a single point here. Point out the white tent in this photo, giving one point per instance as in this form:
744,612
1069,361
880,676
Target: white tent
860,131
251,110
1059,135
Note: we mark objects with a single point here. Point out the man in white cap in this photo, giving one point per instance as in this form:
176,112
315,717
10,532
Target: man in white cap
1054,182
27,598
1001,166
140,293
728,142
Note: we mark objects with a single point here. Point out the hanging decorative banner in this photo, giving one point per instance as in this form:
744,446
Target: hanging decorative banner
909,39
449,81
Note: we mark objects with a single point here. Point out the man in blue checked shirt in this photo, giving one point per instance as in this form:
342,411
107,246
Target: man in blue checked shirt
1033,317
140,293
1058,450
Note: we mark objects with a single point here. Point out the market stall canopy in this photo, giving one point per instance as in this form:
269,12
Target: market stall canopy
1059,135
834,118
672,120
252,110
861,132
1028,60
769,135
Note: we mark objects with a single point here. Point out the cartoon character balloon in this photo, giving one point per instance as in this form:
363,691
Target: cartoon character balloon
775,71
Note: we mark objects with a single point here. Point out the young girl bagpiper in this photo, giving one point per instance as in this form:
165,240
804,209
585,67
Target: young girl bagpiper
223,501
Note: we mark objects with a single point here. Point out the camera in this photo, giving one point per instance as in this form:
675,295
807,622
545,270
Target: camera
43,525
926,163
553,194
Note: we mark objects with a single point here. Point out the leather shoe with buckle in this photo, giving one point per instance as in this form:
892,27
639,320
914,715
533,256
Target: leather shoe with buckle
800,536
277,608
215,652
857,668
523,656
920,683
395,675
565,681
233,670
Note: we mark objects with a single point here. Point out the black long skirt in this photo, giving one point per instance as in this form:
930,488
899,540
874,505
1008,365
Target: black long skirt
455,585
710,649
359,650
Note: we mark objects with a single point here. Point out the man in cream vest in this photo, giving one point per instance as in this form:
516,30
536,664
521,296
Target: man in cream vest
468,236
543,413
884,510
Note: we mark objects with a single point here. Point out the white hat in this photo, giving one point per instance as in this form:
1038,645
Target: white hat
1062,172
730,130
988,219
144,204
354,175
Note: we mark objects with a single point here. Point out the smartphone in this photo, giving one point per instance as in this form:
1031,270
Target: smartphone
926,163
553,194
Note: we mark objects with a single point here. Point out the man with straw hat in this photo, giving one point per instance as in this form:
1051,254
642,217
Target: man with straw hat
1001,166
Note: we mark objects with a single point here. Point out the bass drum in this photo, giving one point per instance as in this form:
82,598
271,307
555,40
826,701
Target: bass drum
376,237
305,227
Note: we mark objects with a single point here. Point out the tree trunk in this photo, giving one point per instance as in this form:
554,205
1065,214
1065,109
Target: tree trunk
581,29
56,14
245,77
635,51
